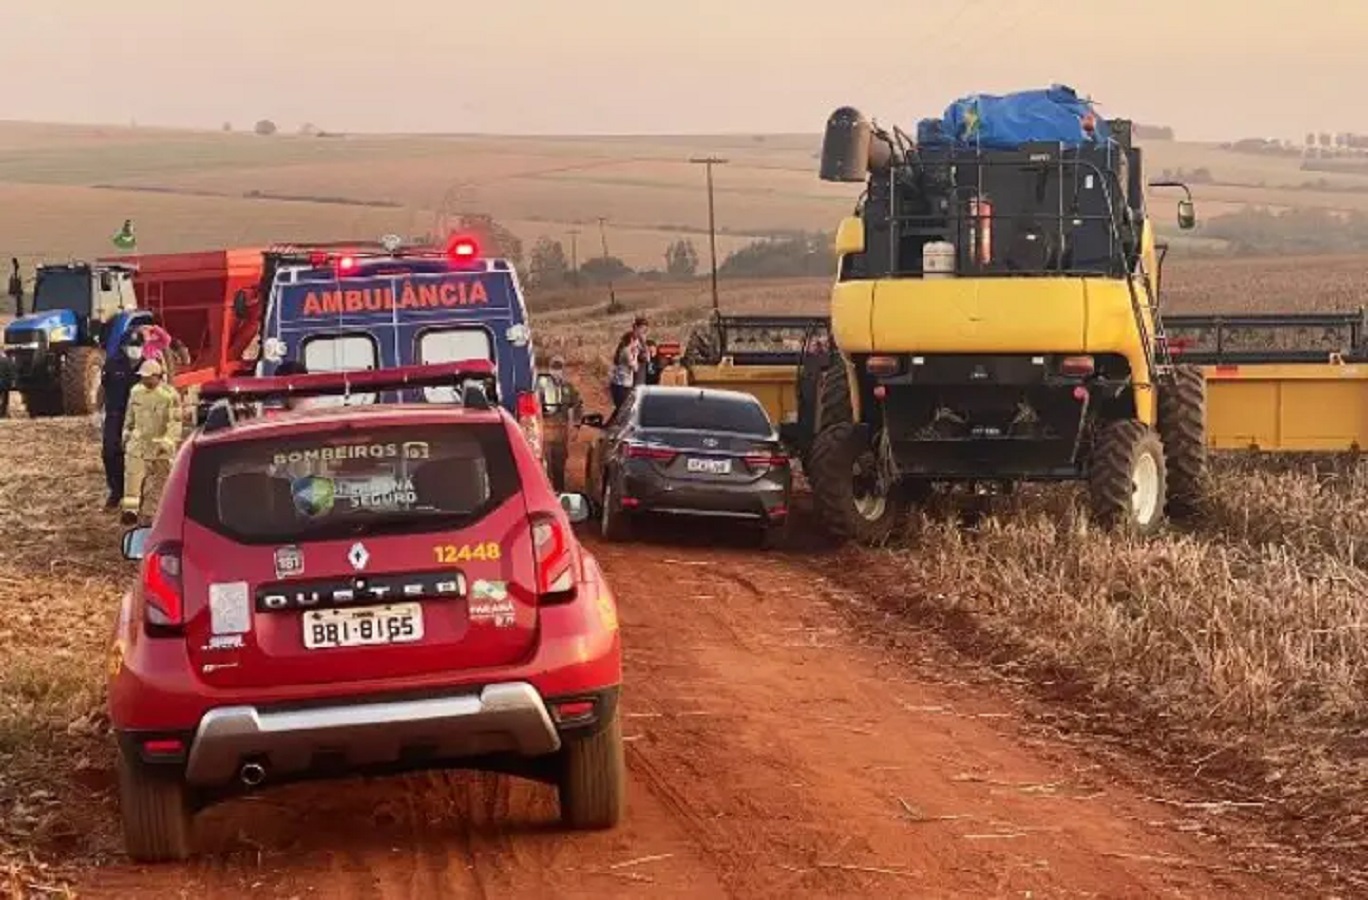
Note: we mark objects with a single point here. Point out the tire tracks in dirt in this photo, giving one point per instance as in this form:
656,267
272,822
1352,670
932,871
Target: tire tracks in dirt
776,748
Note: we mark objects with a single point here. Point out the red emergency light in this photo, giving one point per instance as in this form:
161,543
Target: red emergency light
346,264
463,248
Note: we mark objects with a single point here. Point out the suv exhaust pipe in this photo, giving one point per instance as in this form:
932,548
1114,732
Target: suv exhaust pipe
252,774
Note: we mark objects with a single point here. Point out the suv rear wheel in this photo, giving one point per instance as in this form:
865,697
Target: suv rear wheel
593,779
156,814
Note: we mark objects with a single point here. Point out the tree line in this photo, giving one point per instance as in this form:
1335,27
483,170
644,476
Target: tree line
779,256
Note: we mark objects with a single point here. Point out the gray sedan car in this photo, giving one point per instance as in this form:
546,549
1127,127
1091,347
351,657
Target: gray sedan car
688,452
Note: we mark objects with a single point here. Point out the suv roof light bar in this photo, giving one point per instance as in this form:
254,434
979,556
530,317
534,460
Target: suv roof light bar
320,384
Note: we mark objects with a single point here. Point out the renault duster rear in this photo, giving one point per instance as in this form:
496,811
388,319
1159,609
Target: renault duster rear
361,591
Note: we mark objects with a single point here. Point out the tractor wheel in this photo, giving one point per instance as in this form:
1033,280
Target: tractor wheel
1126,477
80,383
1182,425
845,492
41,404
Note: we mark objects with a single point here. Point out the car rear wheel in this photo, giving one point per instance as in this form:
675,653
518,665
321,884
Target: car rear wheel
156,814
593,779
613,521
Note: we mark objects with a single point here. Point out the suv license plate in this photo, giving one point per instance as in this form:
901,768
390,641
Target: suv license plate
400,623
709,466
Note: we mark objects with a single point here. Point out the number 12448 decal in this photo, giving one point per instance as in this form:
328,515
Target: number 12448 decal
450,553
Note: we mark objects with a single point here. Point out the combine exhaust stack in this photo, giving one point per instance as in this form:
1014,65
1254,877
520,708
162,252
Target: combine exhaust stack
851,148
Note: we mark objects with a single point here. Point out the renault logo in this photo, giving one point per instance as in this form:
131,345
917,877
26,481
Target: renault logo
357,556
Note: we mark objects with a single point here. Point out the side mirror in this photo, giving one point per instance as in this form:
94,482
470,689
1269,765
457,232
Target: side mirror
593,420
240,304
576,507
850,237
135,542
1187,215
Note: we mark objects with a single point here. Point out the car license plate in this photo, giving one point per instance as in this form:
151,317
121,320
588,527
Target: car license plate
400,623
710,466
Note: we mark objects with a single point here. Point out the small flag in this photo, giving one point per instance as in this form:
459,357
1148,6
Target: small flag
126,239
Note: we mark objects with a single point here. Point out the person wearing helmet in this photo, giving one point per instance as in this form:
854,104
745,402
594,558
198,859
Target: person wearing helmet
561,408
152,428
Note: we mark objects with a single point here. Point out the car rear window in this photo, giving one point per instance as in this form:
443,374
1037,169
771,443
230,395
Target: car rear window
704,412
332,484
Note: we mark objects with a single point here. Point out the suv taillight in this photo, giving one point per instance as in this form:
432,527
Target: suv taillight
555,563
163,594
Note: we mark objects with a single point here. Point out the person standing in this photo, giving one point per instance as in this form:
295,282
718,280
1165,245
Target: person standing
643,360
152,428
562,405
117,377
16,288
623,373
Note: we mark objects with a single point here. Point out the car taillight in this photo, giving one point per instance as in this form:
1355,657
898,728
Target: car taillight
645,451
555,569
161,584
1078,366
764,461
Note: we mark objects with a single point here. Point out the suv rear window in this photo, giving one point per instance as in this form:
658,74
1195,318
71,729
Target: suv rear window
333,484
704,412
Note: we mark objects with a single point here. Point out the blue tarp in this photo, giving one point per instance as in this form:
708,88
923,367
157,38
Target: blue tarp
991,122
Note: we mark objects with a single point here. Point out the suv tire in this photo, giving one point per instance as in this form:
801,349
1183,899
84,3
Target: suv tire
156,814
593,779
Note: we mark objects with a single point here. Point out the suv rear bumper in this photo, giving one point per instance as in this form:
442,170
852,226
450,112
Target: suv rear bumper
501,719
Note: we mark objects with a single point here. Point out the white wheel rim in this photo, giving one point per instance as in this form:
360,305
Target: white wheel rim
1145,489
869,507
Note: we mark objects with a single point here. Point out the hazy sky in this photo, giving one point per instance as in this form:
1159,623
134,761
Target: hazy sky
1213,69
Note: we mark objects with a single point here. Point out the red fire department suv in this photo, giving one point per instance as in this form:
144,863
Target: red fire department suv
360,590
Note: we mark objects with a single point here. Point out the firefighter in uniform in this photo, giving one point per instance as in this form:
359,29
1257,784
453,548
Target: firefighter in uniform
152,428
562,406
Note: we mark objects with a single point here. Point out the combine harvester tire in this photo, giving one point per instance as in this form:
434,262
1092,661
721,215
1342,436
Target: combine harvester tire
839,463
1182,425
1126,478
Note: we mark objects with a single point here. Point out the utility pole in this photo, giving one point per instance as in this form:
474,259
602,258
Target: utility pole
709,162
603,237
574,256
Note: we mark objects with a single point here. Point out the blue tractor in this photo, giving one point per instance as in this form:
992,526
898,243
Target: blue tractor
53,356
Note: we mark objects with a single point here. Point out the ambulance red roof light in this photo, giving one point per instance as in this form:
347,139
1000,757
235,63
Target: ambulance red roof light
346,264
462,247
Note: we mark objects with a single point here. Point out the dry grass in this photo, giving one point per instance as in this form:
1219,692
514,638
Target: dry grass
1238,652
60,579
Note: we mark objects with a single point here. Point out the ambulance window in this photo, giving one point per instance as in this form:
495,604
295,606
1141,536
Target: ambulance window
446,345
340,353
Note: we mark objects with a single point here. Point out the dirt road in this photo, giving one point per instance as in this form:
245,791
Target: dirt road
776,748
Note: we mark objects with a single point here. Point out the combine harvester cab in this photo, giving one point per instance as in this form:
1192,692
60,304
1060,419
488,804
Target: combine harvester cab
54,355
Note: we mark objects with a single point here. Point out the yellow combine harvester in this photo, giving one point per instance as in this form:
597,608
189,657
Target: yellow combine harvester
995,319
